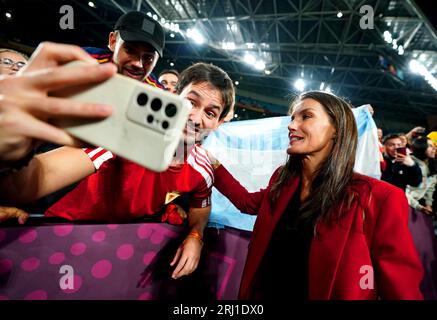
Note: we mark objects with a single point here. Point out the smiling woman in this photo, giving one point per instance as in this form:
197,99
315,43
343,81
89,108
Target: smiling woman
323,231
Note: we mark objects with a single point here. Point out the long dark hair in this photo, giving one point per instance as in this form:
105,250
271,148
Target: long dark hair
419,147
336,172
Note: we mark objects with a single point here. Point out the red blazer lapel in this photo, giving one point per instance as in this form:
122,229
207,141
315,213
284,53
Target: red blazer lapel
326,252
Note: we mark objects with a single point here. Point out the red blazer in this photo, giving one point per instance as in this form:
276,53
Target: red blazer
373,235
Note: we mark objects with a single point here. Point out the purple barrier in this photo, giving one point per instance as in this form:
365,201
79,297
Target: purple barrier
422,231
118,261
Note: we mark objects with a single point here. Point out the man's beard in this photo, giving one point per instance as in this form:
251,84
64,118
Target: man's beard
137,75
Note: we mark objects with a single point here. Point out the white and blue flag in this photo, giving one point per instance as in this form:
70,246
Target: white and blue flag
252,150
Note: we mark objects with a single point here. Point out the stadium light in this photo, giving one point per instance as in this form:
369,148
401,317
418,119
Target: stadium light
417,67
260,65
249,59
195,35
299,84
228,45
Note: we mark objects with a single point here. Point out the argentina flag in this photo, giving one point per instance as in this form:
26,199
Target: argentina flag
251,151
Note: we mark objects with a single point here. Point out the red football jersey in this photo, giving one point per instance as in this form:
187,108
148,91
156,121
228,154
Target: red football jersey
121,189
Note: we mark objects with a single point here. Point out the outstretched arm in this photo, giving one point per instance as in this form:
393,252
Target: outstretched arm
188,254
46,173
28,100
245,201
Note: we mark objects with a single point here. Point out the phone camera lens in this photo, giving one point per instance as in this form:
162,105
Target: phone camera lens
165,125
156,104
149,118
170,110
142,99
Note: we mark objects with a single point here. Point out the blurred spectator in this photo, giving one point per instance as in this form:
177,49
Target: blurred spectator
433,137
11,61
381,150
404,141
420,220
421,197
401,170
169,79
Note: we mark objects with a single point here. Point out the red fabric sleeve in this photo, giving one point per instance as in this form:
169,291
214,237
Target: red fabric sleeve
245,201
98,156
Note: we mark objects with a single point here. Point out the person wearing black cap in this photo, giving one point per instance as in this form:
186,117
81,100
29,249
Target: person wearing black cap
116,189
135,45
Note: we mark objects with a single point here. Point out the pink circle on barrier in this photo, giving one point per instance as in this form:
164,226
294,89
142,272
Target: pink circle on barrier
30,264
57,258
112,226
2,298
28,236
157,237
145,296
64,230
78,248
125,251
148,257
99,236
2,235
144,231
5,265
77,284
101,269
36,295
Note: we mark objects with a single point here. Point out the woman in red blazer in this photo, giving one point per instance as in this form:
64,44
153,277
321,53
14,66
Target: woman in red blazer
323,231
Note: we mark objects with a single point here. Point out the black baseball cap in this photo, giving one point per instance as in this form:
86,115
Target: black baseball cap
137,26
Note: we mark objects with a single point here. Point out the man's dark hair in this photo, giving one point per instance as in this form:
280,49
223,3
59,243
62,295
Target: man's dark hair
172,71
390,136
419,147
218,78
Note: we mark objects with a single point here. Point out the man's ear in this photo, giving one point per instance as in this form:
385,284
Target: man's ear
112,41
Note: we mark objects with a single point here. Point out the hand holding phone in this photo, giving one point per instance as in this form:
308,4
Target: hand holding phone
145,126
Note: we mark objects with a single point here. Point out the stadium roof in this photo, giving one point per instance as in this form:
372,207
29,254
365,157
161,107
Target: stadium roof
266,45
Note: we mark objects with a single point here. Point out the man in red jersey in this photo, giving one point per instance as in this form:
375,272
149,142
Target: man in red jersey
120,190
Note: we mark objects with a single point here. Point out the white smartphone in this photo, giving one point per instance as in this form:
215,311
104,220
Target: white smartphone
146,124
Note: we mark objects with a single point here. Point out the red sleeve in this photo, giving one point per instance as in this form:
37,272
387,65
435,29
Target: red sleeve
245,201
98,156
398,268
201,198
